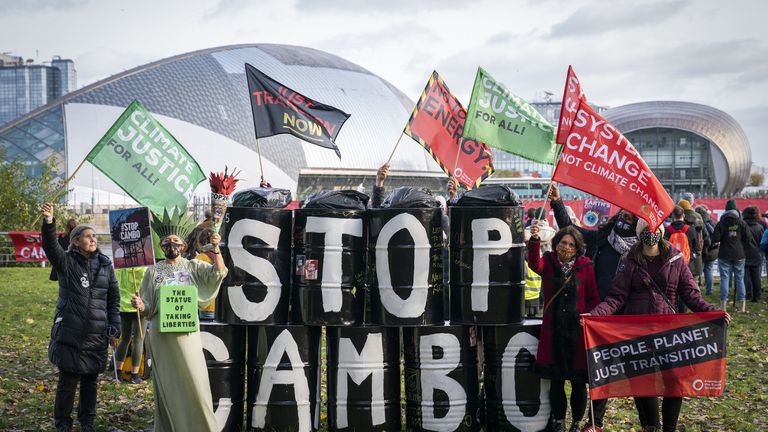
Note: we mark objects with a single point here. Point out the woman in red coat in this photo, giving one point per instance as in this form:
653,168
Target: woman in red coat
569,286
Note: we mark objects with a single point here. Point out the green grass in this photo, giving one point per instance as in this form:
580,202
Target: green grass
28,380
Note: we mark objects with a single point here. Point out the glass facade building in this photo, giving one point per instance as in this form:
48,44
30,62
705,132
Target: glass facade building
202,98
25,87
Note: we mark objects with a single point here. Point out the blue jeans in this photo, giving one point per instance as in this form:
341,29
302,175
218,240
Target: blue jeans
730,268
709,267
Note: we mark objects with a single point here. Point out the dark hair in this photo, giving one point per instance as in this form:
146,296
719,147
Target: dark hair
530,212
678,212
71,224
581,246
751,213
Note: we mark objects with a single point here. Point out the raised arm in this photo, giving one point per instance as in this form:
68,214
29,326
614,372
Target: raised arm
53,250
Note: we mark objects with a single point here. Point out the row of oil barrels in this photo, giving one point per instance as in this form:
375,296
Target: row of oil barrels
380,266
442,392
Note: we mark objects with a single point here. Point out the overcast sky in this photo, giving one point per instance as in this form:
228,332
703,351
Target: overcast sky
704,51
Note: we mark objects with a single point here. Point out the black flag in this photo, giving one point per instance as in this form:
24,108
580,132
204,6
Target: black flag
278,109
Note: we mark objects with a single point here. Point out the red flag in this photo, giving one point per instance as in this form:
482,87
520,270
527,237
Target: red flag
656,355
437,123
599,160
27,246
573,95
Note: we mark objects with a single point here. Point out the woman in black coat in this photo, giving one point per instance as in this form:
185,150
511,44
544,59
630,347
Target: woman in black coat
87,316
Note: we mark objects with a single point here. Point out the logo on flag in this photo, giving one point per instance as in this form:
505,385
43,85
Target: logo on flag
278,109
146,161
437,123
502,120
656,355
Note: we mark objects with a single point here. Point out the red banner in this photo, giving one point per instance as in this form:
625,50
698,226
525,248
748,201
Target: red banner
599,160
656,355
573,95
437,123
27,246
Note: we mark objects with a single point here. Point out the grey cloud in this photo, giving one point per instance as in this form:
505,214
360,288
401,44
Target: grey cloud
606,16
23,6
358,6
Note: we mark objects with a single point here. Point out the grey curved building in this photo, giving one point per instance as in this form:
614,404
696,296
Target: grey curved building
202,98
690,147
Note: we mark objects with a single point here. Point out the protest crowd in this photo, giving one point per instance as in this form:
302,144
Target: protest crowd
462,281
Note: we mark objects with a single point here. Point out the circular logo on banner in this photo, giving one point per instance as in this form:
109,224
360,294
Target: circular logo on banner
697,385
458,172
591,218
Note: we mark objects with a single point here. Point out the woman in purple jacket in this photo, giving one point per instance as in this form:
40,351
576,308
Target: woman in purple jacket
649,279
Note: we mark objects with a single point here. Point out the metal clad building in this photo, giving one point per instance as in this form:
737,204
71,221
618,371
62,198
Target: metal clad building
202,98
690,147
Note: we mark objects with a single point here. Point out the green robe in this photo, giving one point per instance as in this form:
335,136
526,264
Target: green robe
179,374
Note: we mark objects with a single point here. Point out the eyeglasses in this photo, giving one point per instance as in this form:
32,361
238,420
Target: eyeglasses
567,246
171,243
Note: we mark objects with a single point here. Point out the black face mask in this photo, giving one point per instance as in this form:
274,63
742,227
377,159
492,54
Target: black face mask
623,228
171,252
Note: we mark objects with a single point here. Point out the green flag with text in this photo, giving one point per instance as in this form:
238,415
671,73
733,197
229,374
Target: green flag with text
502,120
146,161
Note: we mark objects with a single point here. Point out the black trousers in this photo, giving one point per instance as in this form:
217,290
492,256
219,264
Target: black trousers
752,282
559,400
648,410
65,399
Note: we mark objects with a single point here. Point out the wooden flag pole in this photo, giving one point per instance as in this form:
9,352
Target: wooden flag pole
261,166
556,160
61,192
138,313
396,144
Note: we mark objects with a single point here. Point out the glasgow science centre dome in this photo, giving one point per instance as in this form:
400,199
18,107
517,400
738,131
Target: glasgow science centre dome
202,98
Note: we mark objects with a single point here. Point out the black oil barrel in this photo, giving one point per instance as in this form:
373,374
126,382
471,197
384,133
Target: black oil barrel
363,378
256,248
516,399
492,290
441,384
224,350
283,380
329,249
406,266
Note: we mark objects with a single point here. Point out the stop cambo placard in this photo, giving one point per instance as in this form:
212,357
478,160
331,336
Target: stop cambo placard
131,238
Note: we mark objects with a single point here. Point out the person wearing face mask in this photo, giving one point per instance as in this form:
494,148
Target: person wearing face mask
570,289
180,378
649,279
606,245
87,318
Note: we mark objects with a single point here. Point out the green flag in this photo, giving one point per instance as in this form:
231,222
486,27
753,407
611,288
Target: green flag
502,120
146,161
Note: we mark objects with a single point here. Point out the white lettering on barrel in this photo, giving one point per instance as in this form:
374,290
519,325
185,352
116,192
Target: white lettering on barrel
334,229
515,417
369,362
257,267
482,249
214,345
413,306
434,376
283,344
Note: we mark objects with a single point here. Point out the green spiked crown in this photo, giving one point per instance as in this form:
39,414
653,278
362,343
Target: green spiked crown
177,222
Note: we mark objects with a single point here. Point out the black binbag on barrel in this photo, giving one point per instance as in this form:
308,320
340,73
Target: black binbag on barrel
262,198
337,200
488,196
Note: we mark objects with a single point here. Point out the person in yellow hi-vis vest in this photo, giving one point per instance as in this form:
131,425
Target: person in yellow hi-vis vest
533,299
128,279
